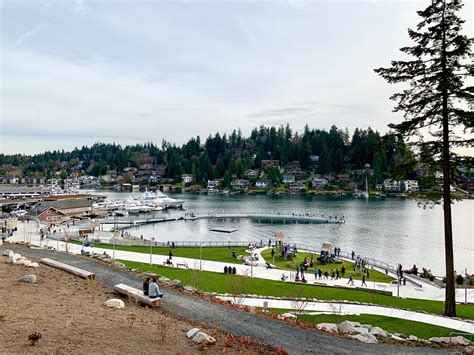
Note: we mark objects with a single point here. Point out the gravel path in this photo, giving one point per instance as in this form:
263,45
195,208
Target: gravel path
293,339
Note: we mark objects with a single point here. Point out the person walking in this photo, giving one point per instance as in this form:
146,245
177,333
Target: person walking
343,270
315,270
351,280
170,255
363,281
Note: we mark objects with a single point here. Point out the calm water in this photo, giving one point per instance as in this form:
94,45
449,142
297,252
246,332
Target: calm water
392,230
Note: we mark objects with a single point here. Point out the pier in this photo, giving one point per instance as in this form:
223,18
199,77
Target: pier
256,217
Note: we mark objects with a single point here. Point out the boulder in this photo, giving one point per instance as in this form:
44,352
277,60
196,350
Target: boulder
201,337
378,332
341,327
149,273
289,315
327,327
365,338
28,278
367,326
177,283
190,288
397,338
33,264
413,338
24,262
192,332
403,336
163,279
459,340
6,252
13,257
114,303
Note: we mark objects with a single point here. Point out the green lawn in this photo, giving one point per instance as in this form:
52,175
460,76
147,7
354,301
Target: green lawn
389,324
280,262
220,283
223,254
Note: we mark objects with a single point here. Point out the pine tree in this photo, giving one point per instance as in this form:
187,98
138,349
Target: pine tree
435,102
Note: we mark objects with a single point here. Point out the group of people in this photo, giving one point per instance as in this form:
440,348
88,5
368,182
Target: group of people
151,289
230,270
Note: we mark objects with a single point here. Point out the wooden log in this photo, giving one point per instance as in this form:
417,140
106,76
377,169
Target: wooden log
69,268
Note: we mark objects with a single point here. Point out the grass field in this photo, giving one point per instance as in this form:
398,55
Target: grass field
223,254
389,324
280,262
220,283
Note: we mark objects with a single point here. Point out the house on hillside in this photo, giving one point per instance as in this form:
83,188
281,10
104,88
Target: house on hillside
319,182
252,173
391,185
410,186
288,178
297,186
270,163
212,185
187,178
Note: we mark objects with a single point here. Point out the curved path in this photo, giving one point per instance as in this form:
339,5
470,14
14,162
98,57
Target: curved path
293,339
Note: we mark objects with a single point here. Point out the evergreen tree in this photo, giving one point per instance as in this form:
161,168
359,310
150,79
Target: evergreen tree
434,104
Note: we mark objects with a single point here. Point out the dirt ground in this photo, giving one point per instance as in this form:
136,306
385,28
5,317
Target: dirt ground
69,314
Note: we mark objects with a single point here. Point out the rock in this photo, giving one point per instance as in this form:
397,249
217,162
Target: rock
403,336
459,340
14,257
327,327
6,252
341,327
149,273
163,279
378,332
365,338
468,350
28,278
177,283
201,337
397,338
33,264
192,332
114,303
413,338
190,288
367,326
289,315
24,262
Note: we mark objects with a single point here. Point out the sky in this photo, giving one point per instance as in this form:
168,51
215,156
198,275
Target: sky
78,72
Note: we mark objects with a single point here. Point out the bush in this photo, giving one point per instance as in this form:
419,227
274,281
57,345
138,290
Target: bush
459,279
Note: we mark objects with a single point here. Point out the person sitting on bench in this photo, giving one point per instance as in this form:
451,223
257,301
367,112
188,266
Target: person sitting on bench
168,262
154,290
146,285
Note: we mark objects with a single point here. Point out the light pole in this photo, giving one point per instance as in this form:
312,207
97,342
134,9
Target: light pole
151,249
200,257
465,286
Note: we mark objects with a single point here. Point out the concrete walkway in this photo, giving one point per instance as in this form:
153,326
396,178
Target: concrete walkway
356,309
29,232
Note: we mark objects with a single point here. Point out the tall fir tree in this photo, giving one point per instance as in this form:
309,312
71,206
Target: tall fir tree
436,103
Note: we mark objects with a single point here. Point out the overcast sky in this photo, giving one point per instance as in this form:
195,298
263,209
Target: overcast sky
77,72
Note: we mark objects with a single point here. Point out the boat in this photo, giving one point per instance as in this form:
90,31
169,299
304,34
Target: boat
19,213
361,193
158,200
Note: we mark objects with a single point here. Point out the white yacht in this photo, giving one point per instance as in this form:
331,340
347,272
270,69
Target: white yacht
159,199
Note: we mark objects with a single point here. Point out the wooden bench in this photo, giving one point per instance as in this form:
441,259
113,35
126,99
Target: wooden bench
183,264
167,264
137,294
69,268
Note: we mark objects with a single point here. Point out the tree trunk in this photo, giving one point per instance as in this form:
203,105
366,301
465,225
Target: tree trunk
450,300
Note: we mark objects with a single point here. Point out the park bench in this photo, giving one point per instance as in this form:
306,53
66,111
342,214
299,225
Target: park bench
183,264
136,294
165,263
69,268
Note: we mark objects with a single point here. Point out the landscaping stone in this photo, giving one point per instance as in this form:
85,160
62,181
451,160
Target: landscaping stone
114,303
177,283
368,326
403,336
289,315
190,288
378,332
459,340
28,278
192,332
33,264
150,274
164,279
201,337
397,338
7,252
341,327
327,327
413,338
365,338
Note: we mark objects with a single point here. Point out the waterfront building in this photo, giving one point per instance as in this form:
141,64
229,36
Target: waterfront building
319,182
262,184
288,178
391,185
212,185
410,186
69,207
51,215
251,173
33,180
9,180
297,186
187,178
240,184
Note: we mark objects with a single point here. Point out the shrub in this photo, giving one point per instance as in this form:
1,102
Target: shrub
459,279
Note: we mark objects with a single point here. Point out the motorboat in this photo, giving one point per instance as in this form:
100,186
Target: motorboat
19,213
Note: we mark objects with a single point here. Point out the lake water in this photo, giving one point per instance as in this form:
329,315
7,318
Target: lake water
390,230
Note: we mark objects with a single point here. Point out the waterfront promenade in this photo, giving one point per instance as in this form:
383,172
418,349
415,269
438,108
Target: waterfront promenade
426,292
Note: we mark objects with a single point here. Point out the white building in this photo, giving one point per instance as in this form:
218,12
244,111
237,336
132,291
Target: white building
187,178
391,185
288,178
410,186
263,184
